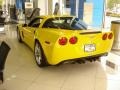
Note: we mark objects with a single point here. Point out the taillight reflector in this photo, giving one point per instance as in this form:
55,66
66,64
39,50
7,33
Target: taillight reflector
104,37
110,36
63,41
73,40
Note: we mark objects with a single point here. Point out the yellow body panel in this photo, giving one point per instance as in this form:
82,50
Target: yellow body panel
56,53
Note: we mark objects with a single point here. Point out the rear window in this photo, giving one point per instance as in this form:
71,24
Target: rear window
69,23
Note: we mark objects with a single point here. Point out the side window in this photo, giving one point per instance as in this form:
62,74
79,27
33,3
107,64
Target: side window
51,23
35,22
58,22
78,24
48,24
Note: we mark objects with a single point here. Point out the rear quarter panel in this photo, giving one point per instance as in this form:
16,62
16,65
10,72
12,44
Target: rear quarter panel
47,38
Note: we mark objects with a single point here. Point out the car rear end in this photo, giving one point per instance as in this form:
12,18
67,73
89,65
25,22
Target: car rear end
72,45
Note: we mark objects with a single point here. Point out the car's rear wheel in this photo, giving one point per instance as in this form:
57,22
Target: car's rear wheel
18,35
39,55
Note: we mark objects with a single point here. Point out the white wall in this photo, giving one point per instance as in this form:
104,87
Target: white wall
52,6
47,7
42,4
12,2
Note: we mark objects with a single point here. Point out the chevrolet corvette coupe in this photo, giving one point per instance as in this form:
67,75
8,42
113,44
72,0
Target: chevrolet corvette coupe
57,39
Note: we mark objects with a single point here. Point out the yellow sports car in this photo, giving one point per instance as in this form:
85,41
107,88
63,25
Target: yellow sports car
57,39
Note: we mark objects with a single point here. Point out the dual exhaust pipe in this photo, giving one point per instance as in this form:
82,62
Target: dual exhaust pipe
83,61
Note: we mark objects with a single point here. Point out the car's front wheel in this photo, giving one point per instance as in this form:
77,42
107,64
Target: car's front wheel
39,55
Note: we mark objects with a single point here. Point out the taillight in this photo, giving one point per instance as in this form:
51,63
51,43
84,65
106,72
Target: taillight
73,40
104,37
63,41
110,36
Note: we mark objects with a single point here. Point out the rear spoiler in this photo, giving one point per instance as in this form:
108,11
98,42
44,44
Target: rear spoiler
91,32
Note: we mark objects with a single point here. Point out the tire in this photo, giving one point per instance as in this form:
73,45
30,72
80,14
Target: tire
19,36
39,55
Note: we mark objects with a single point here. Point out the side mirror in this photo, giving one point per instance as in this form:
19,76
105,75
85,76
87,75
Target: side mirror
24,25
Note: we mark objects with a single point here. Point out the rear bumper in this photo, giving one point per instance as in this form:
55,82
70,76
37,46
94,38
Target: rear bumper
95,56
85,58
56,62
